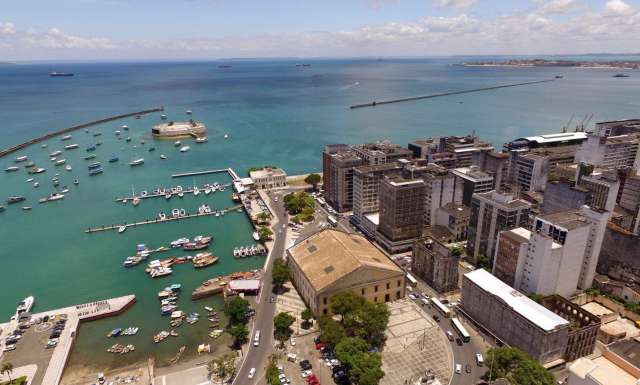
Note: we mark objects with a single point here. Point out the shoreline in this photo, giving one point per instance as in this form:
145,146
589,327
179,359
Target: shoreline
604,67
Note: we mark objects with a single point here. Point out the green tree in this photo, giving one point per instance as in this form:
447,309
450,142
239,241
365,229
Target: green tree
237,310
223,367
263,217
272,374
264,233
306,315
366,369
297,202
516,366
280,273
484,262
456,251
345,303
313,179
239,332
373,317
347,349
331,332
7,368
282,326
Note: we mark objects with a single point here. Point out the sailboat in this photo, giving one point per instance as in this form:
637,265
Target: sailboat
135,199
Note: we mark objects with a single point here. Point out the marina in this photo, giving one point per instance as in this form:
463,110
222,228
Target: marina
157,220
175,190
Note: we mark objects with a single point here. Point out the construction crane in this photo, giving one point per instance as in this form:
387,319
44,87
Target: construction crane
586,124
564,129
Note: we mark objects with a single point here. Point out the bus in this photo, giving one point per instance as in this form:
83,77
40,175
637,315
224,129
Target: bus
332,220
411,280
256,338
441,308
460,329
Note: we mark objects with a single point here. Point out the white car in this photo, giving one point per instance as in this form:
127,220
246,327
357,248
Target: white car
458,368
252,373
306,373
293,341
9,348
335,362
413,297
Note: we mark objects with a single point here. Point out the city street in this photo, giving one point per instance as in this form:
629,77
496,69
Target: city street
256,356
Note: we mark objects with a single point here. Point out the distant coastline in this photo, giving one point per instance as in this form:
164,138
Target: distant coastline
527,63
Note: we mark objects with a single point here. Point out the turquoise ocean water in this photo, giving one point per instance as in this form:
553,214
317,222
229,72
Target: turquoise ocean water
274,113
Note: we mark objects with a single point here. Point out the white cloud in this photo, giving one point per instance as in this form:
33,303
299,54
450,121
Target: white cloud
459,4
618,8
7,29
554,7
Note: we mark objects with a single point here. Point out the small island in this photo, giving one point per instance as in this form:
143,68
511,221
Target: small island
626,65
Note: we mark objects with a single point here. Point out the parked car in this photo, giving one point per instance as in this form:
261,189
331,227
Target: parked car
436,318
9,348
459,341
306,373
449,336
252,373
458,368
292,341
467,368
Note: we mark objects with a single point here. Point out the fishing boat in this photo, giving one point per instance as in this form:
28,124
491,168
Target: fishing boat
202,139
12,169
136,162
24,306
36,170
68,167
201,260
194,246
114,158
97,133
114,333
94,165
160,336
53,197
15,199
166,310
55,153
66,137
26,208
167,195
178,243
60,162
96,171
208,308
89,157
185,148
64,190
122,229
21,159
177,143
44,145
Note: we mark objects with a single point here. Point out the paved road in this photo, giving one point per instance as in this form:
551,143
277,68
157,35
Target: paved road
465,354
257,356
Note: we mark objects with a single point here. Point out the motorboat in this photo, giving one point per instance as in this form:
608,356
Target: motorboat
226,136
55,153
163,156
162,216
89,157
44,145
178,243
64,190
26,208
90,147
167,195
122,229
68,167
94,165
97,133
60,162
136,162
24,306
163,117
66,137
196,191
114,158
36,184
114,333
135,201
71,146
29,180
127,139
11,169
15,199
21,159
180,194
125,127
177,143
37,170
185,148
53,197
188,112
76,182
96,171
202,139
152,149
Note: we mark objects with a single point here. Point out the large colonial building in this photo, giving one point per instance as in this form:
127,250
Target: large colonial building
332,261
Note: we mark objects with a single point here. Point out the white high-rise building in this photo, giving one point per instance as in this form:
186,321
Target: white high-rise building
561,252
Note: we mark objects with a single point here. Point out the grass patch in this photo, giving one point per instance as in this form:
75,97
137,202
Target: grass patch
16,381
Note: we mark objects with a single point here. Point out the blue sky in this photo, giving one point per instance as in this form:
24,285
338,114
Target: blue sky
139,29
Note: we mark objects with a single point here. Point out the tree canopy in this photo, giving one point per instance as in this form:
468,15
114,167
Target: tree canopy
239,332
280,273
516,366
345,303
264,233
282,326
331,331
223,367
297,202
272,374
313,179
237,310
364,367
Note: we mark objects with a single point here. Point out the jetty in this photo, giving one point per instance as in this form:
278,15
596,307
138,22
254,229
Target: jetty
231,173
162,194
74,128
156,220
217,285
52,372
438,95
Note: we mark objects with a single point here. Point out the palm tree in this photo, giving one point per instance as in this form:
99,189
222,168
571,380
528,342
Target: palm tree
7,368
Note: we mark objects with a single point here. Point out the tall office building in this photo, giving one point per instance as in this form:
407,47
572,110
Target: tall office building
492,212
558,256
612,145
366,187
473,181
401,213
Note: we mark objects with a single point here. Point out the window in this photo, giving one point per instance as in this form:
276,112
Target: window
375,299
375,288
362,291
388,285
397,295
386,298
324,300
399,283
324,311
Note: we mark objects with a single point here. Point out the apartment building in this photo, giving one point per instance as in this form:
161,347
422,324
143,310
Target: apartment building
473,181
366,188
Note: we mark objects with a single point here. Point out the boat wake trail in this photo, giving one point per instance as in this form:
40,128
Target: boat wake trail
349,86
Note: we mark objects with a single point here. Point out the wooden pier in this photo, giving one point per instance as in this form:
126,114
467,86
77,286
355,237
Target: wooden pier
195,173
74,128
185,191
376,103
154,221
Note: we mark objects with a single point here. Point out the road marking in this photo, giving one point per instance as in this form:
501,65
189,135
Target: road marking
164,380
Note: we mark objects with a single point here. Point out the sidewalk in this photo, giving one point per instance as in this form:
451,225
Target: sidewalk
27,370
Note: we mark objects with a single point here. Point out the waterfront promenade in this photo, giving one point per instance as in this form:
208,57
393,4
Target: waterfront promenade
50,363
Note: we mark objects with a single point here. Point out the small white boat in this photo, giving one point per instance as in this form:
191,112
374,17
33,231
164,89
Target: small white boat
163,117
256,236
125,127
135,201
122,229
76,182
43,145
196,191
226,136
163,156
11,169
60,162
177,143
68,167
185,148
71,146
21,159
55,153
64,190
26,208
66,137
202,139
188,112
36,184
180,194
136,162
29,180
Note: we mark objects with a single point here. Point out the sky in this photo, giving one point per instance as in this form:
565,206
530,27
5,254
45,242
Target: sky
208,29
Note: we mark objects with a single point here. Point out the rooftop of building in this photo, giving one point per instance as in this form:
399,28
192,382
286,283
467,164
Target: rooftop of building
498,155
456,210
596,309
266,171
519,234
556,138
628,349
330,255
382,146
377,168
520,303
439,233
602,370
632,122
502,199
570,219
472,173
399,180
624,138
